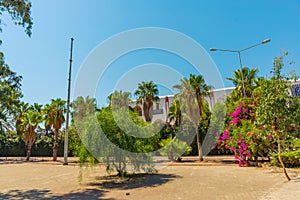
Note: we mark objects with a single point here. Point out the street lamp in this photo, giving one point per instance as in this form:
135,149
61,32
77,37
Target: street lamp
239,54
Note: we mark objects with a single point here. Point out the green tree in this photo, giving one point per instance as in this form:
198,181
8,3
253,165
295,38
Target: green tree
28,125
175,113
277,111
20,11
10,82
82,107
192,92
54,119
83,114
10,94
249,82
118,149
147,93
119,99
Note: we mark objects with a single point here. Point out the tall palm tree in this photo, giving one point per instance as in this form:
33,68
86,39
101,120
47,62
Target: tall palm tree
21,111
201,90
187,98
193,91
175,113
82,107
119,99
147,93
54,119
27,126
249,76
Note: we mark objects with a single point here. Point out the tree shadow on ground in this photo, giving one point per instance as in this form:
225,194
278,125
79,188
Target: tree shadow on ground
91,194
134,181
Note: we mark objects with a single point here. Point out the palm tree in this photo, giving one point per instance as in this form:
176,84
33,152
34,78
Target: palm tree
82,107
201,90
175,113
27,126
54,119
147,93
249,81
193,91
119,99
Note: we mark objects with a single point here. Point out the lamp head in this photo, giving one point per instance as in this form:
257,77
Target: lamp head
266,41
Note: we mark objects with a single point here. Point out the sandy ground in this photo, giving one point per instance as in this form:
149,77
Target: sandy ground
48,180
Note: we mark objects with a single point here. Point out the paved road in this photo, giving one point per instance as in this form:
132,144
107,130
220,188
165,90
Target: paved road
44,180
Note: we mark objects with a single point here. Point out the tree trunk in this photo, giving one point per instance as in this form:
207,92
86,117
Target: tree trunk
28,152
55,146
280,159
200,152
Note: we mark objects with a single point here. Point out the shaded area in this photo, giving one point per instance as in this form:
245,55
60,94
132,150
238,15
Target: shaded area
134,181
91,194
297,179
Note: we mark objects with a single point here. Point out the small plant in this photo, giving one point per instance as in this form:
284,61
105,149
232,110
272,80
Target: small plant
291,159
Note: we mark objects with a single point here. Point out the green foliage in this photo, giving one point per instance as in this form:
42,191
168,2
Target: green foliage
173,148
203,126
28,125
147,93
250,83
10,94
104,140
291,159
276,111
20,11
54,119
191,98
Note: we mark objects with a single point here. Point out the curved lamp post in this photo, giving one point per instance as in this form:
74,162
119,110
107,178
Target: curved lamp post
239,54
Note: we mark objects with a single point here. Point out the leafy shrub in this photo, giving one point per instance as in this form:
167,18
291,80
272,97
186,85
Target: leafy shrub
291,159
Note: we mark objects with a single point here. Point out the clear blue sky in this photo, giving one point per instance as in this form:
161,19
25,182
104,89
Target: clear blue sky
42,60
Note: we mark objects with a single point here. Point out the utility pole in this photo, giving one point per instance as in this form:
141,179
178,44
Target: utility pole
68,107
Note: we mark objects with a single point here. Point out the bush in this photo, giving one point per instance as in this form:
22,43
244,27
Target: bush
291,159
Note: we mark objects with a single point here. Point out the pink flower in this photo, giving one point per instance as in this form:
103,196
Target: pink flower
232,149
240,135
269,137
245,110
249,134
298,136
282,137
292,128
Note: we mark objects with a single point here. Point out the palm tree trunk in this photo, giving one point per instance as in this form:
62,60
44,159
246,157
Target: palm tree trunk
55,146
28,152
280,159
200,152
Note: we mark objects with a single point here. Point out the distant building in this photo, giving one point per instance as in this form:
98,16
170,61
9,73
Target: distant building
295,88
